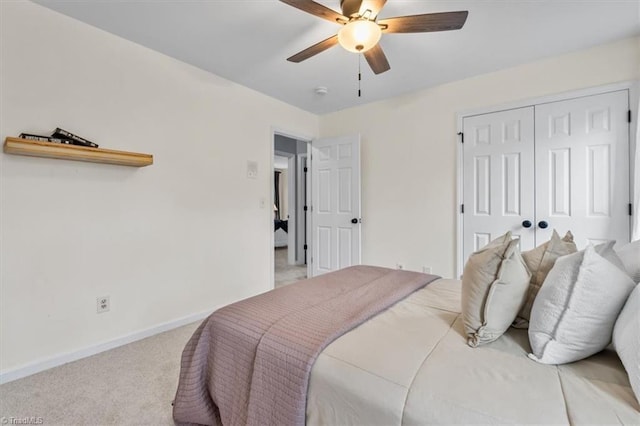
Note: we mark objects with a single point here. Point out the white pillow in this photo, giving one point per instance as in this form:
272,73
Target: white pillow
606,250
630,256
494,286
540,260
626,339
576,308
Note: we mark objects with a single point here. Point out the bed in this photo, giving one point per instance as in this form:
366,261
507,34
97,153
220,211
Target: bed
408,364
411,365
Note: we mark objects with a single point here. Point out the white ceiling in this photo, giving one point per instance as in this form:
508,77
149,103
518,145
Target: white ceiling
248,41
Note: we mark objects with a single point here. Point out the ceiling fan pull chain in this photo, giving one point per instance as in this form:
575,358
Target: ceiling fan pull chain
359,74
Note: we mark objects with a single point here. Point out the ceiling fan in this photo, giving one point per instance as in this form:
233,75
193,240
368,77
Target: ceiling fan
361,30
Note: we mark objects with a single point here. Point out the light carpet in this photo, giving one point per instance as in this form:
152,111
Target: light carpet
132,384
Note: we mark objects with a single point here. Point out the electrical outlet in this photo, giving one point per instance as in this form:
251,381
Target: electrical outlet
426,269
399,266
103,304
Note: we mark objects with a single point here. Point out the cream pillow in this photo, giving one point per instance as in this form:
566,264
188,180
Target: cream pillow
630,255
576,308
626,339
494,286
540,260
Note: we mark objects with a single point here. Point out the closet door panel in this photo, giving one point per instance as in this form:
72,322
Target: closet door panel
582,168
498,177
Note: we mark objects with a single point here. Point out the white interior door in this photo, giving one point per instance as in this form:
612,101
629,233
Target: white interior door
335,206
498,178
582,168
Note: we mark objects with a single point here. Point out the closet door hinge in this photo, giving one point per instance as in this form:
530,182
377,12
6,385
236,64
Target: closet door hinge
462,208
461,137
629,116
630,209
305,247
306,208
306,169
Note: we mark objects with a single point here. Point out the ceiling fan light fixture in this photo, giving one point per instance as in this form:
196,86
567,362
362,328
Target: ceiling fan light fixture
359,35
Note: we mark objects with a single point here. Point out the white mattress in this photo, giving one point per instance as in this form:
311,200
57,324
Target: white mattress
411,365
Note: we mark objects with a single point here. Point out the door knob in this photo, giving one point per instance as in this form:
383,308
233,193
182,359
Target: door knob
354,220
526,223
542,224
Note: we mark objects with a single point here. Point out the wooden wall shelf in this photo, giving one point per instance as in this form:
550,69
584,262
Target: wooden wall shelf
21,146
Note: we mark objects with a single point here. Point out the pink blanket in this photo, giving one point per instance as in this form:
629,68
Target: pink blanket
249,362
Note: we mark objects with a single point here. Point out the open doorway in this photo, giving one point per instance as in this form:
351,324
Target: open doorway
290,215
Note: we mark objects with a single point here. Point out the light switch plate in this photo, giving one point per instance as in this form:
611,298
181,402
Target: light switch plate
252,169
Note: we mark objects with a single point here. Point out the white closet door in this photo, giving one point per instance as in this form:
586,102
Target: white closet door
498,178
582,168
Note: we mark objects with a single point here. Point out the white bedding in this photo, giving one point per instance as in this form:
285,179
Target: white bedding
411,365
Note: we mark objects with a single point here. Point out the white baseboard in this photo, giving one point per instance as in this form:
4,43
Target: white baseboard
57,360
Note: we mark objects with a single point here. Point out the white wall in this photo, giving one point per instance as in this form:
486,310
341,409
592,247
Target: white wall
183,236
409,149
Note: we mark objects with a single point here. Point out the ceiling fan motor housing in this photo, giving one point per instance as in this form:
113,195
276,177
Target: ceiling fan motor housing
351,8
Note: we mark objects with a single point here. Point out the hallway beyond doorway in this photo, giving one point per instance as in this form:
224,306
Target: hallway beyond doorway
285,273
